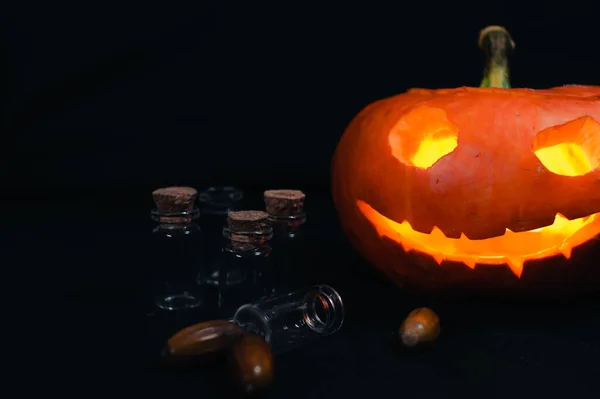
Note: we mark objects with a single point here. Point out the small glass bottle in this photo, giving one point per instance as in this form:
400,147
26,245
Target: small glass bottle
287,217
177,248
242,272
220,200
293,320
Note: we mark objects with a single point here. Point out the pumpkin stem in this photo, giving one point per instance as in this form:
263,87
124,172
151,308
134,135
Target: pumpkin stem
496,43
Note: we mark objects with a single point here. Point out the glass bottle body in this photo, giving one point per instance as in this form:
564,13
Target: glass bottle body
220,200
295,319
230,266
242,272
177,258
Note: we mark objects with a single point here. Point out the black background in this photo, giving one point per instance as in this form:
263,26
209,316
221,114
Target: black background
131,94
101,102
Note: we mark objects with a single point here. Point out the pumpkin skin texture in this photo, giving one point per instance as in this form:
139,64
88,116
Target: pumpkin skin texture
483,190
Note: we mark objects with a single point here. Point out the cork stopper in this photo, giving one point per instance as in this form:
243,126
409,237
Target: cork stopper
174,199
247,221
244,226
282,203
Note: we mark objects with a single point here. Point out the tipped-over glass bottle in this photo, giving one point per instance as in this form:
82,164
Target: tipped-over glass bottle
293,320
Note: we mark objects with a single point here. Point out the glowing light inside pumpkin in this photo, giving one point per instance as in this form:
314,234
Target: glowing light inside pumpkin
572,149
432,149
554,157
512,249
423,136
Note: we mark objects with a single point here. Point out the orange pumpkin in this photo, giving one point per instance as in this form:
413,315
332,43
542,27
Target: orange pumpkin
486,189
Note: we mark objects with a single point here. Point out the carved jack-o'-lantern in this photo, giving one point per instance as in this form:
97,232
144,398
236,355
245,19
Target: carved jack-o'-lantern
469,186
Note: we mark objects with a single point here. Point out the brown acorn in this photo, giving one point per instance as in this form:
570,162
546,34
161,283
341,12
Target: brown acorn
251,363
421,327
202,341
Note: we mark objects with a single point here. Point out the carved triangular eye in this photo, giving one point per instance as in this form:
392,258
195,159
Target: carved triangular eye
570,149
422,137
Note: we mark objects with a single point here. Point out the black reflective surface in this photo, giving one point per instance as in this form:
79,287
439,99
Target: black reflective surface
74,271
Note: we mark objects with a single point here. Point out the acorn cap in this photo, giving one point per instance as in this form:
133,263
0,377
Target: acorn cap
242,221
174,199
284,202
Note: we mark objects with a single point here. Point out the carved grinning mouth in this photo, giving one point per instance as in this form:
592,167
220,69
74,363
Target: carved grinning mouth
512,249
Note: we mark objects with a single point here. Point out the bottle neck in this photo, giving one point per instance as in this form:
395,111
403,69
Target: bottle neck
174,220
308,314
289,226
324,309
248,239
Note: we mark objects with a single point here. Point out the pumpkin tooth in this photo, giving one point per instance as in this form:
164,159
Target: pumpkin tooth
566,251
469,262
560,218
438,258
436,232
515,263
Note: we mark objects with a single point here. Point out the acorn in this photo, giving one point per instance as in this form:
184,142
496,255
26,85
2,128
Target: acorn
251,364
420,328
201,342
